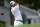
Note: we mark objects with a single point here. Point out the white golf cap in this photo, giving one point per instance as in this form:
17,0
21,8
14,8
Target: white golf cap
12,2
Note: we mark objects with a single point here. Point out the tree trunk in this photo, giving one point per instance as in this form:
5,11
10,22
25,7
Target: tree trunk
11,16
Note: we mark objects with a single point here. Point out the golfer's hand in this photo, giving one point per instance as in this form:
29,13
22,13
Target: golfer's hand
16,3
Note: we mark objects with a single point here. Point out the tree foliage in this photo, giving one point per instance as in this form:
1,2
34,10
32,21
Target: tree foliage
36,3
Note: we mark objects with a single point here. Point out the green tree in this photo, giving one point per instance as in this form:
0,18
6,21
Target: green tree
36,4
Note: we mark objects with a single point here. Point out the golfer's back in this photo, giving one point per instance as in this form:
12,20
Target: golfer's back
16,12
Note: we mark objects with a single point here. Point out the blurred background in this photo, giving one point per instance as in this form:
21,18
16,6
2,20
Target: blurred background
4,13
29,11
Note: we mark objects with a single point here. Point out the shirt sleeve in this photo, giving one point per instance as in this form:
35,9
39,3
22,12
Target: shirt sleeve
12,10
17,6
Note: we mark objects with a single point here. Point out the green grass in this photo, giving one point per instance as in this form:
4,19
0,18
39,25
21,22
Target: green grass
28,25
25,25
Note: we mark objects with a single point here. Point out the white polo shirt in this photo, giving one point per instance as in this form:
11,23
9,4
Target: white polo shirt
16,12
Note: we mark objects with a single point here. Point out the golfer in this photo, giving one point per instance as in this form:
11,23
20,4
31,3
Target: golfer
16,12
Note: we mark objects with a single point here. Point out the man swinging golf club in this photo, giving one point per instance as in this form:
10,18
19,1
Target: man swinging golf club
16,12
